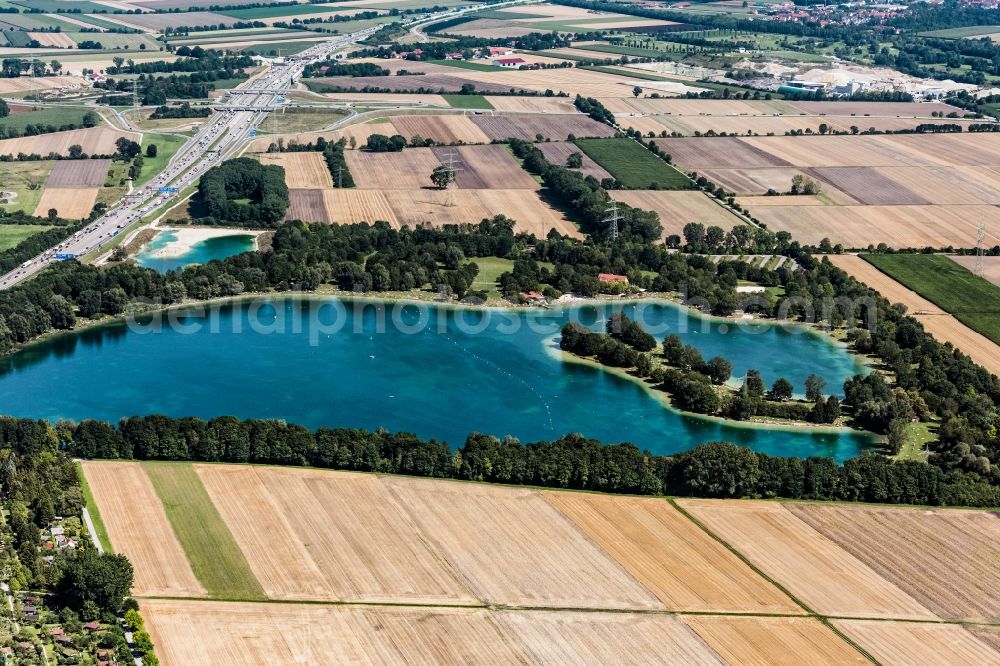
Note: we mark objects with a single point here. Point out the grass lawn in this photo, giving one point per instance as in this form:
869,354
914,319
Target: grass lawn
916,439
214,555
166,146
468,101
94,511
490,269
465,64
12,234
299,120
972,300
632,165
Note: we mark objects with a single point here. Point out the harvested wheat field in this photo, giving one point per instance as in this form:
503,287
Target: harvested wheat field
358,537
58,40
278,559
671,556
896,226
773,641
532,104
756,181
490,167
443,128
73,203
306,205
810,566
944,558
302,170
906,643
531,214
408,169
943,185
238,634
138,527
944,327
351,205
78,173
558,151
860,109
93,140
558,638
26,83
512,547
551,126
679,207
833,151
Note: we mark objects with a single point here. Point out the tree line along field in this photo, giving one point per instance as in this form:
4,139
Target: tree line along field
537,575
956,290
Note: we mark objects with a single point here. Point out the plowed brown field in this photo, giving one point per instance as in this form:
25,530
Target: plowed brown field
676,560
823,575
774,641
138,527
512,547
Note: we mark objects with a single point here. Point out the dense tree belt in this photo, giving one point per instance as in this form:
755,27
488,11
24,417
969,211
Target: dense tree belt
572,461
243,192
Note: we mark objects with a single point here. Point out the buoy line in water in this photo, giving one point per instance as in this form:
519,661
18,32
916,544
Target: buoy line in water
505,373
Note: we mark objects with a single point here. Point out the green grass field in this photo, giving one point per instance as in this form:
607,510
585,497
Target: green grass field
12,234
214,555
166,146
465,64
632,165
94,511
962,33
972,300
490,269
468,101
915,442
56,116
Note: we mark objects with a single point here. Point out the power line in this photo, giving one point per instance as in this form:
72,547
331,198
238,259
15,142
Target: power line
613,217
452,172
980,239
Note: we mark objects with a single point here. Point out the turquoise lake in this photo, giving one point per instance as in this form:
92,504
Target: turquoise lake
201,252
436,372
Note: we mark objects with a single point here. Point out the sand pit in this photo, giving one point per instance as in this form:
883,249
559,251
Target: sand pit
185,238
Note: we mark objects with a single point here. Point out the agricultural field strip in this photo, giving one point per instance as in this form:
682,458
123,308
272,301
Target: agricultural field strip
628,529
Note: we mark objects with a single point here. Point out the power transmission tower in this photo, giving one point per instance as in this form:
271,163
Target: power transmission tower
613,217
980,239
453,170
135,93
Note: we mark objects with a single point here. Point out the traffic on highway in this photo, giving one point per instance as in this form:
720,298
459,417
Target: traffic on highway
232,124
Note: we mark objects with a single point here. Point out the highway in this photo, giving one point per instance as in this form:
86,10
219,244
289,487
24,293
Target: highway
222,136
219,138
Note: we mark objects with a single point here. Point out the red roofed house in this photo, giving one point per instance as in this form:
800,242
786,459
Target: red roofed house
611,277
509,63
532,296
500,50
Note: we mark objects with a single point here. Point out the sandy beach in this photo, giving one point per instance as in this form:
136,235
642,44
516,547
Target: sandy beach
186,238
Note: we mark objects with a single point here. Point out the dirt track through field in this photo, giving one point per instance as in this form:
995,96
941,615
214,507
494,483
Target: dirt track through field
823,575
670,555
138,527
